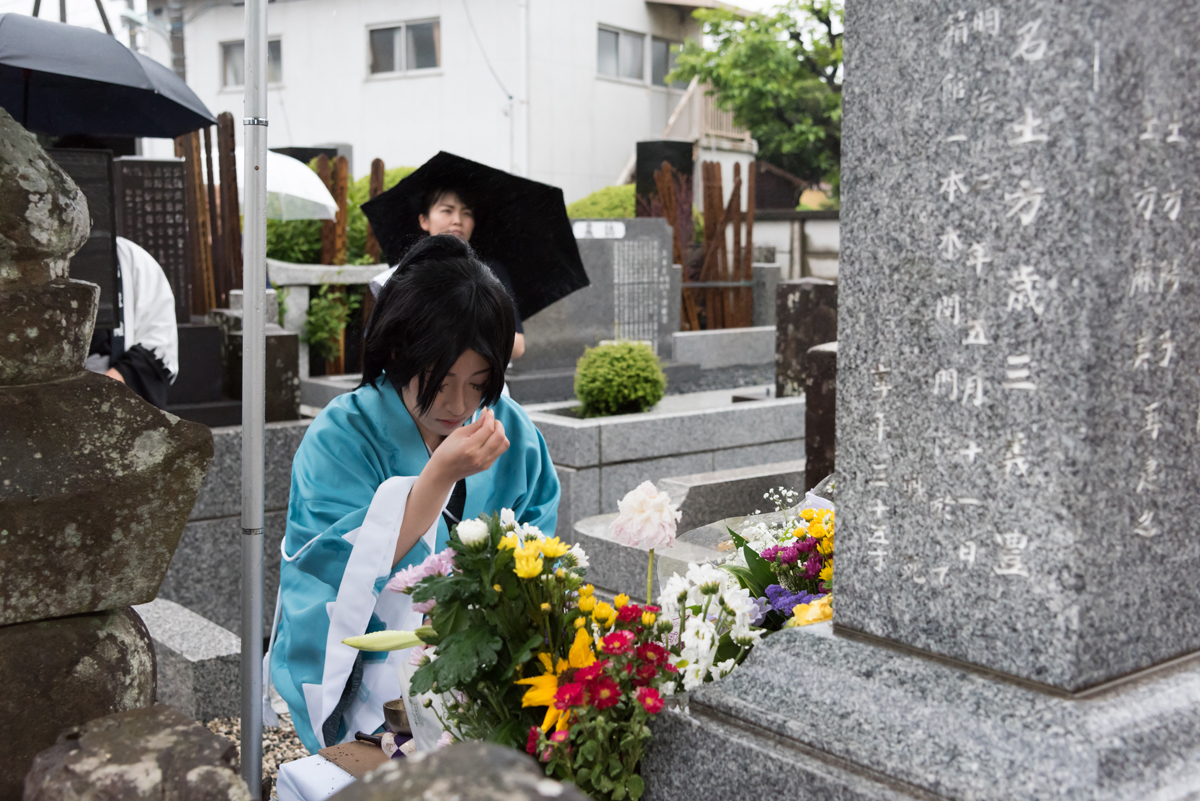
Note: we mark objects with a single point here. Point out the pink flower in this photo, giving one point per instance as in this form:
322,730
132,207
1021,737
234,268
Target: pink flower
417,655
438,564
444,740
531,743
647,518
425,607
560,736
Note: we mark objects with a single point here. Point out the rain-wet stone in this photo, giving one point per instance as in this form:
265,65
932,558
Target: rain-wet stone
461,772
150,754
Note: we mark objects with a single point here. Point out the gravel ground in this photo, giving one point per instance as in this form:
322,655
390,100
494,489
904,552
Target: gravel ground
726,378
280,743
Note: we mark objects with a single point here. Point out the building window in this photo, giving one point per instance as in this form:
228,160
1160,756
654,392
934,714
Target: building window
412,46
233,63
662,60
621,54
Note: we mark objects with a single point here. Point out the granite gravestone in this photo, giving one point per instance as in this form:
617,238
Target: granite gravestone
1016,608
1020,321
634,294
805,316
150,213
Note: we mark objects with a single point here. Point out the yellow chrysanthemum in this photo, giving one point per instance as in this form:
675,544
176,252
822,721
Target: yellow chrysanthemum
826,573
553,548
581,654
509,541
529,562
621,600
604,614
497,588
580,622
808,514
586,589
587,603
815,612
545,607
815,529
825,546
648,619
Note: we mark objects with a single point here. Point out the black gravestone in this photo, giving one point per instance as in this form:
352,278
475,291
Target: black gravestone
650,156
96,261
150,213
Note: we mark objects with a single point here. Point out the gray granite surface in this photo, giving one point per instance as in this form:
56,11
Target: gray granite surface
705,497
634,294
197,661
1019,328
805,315
221,493
205,575
617,568
867,721
726,347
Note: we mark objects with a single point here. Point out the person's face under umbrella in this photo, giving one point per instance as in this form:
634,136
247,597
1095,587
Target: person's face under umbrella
448,214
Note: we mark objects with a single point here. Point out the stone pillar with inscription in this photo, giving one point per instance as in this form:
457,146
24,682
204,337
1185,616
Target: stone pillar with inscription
1017,610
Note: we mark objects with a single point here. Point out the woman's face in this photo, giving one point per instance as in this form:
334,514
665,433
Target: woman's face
457,398
449,215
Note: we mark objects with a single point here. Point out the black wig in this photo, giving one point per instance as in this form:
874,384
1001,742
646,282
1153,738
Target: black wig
441,302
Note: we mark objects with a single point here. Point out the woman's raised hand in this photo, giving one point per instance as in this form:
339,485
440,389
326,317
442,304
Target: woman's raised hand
470,449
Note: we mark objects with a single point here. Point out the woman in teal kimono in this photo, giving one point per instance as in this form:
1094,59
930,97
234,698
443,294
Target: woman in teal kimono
386,470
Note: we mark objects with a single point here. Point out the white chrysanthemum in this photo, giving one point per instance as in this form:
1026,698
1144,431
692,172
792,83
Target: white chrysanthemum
508,518
529,532
722,669
647,518
473,533
580,557
743,634
669,598
693,676
704,580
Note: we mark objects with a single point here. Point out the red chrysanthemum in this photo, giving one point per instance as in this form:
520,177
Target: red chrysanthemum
604,692
629,613
619,642
646,673
652,608
570,695
531,744
650,700
670,668
652,653
590,672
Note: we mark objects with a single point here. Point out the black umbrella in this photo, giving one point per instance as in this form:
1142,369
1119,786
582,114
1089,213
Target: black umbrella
522,224
61,79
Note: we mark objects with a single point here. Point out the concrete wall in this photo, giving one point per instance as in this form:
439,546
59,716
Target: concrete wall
572,127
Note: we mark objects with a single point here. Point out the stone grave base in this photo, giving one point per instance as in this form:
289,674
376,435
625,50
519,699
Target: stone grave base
819,716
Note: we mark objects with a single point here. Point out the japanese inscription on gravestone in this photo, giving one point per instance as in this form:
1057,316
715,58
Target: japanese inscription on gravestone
1019,410
150,213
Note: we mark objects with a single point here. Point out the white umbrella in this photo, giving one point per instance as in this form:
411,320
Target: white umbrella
294,192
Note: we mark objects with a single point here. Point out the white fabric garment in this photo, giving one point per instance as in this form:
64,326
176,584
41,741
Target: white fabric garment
149,318
371,559
376,283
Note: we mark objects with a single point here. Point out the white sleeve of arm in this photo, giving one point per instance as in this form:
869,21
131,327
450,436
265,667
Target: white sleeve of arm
149,305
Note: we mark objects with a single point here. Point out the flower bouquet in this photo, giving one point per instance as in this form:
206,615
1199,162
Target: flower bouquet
520,651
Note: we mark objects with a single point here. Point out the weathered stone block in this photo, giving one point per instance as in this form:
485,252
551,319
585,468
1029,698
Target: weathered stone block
97,486
148,754
72,541
462,772
820,413
705,497
60,673
46,330
43,215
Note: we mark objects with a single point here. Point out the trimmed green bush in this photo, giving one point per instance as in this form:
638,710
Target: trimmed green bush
609,203
618,378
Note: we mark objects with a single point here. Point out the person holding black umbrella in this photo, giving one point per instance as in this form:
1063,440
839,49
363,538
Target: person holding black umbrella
451,211
517,226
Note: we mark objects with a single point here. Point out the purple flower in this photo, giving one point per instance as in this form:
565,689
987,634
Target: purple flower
761,606
807,545
783,600
789,555
812,567
769,553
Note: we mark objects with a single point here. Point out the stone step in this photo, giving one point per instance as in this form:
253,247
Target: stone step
197,661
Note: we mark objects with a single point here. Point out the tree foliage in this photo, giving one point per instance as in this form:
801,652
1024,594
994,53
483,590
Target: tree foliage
780,74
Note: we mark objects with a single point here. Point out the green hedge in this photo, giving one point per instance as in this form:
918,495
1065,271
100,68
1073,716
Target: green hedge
619,378
609,203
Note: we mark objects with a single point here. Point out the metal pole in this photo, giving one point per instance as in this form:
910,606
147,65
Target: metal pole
254,347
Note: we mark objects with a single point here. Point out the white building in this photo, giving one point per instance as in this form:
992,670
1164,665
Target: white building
558,90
